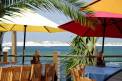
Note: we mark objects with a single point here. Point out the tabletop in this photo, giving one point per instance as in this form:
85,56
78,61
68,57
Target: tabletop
100,73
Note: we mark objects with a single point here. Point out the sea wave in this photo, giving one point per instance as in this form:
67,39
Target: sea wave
43,43
54,43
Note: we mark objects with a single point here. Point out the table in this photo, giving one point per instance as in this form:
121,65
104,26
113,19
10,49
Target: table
100,73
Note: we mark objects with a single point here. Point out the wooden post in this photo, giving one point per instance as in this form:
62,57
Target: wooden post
5,56
14,48
36,58
56,61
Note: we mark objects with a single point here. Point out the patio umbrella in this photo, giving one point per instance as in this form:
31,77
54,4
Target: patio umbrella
109,15
30,22
29,28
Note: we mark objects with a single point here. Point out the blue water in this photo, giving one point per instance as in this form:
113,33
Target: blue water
44,50
111,50
108,50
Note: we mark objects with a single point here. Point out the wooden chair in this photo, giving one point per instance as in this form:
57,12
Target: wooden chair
56,61
78,74
0,73
25,73
5,74
86,79
49,72
16,72
81,69
36,71
75,74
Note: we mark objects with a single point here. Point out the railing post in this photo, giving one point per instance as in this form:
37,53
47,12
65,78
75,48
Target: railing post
14,47
36,58
5,56
56,61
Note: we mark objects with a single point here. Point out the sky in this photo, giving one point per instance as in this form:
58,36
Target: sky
65,37
34,36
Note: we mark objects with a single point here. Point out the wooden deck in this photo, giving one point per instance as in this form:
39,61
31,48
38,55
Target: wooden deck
116,77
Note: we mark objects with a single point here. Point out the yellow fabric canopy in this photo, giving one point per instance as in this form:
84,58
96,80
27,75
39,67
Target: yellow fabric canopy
112,6
29,28
34,21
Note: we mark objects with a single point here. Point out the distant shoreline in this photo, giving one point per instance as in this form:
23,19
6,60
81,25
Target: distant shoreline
54,43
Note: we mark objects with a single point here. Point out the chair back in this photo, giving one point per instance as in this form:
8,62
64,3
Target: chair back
78,73
5,74
86,79
25,74
36,72
75,74
49,72
81,69
17,72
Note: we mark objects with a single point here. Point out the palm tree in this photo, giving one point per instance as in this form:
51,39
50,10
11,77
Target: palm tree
84,49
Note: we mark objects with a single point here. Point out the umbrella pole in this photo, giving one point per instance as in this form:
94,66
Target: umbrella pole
25,26
103,40
104,30
100,57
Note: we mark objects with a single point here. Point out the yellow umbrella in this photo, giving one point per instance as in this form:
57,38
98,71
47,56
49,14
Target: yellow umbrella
106,8
34,21
29,22
29,28
110,6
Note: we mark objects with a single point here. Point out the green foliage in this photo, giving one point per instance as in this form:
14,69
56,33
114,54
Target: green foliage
68,7
82,48
10,6
71,9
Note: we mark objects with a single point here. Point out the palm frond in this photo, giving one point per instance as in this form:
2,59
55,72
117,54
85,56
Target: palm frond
10,6
40,3
68,7
73,12
84,47
76,3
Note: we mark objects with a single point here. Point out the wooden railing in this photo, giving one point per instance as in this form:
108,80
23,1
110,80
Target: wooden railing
106,56
5,56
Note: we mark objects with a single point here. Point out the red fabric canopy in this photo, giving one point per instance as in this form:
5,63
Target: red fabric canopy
113,28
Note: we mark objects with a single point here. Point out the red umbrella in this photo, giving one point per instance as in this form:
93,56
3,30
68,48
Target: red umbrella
109,17
113,28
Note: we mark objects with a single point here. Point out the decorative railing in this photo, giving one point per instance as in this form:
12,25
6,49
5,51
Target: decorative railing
108,58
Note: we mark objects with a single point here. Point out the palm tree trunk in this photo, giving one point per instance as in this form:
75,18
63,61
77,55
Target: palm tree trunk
14,52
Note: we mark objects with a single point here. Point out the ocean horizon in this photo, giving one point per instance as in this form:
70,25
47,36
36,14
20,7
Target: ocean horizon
56,43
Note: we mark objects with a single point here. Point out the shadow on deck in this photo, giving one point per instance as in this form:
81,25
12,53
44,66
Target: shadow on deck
116,77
